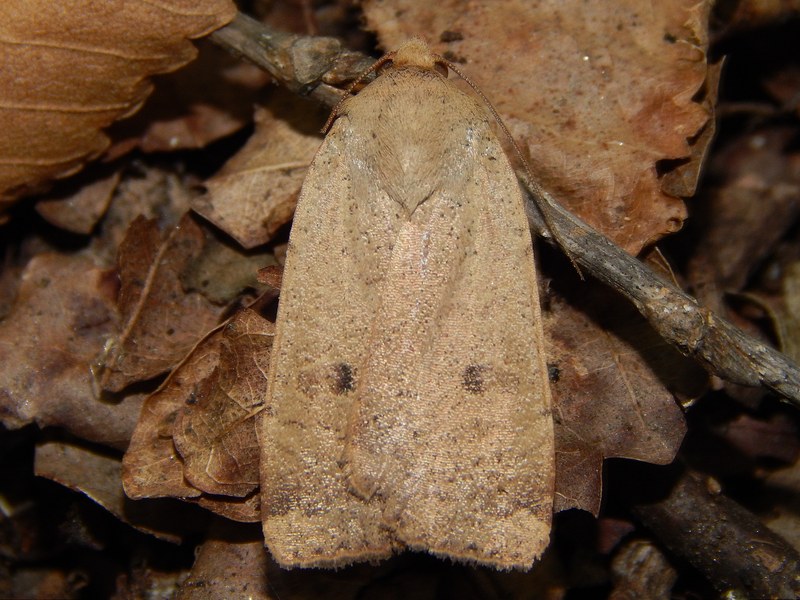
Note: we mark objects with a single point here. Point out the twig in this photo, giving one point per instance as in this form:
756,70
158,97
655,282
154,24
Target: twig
719,346
308,65
728,544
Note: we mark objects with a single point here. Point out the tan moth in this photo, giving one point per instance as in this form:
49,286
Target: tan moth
408,402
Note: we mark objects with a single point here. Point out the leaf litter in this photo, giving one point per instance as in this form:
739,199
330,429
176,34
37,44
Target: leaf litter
623,102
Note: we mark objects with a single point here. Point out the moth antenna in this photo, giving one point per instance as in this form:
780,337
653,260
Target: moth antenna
389,56
536,190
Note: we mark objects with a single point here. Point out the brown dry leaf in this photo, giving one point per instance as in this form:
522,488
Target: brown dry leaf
161,321
64,313
243,510
597,92
151,467
98,475
229,568
682,180
772,437
80,211
70,68
756,201
216,433
207,100
256,191
611,378
144,190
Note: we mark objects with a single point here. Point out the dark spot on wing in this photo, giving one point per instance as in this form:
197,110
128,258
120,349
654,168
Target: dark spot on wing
553,372
325,379
343,379
448,36
473,379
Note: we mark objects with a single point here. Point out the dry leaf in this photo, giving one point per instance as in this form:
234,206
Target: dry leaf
70,68
256,192
684,176
243,510
144,190
161,321
80,211
597,93
98,475
610,376
223,273
210,98
755,202
216,433
152,467
64,314
229,568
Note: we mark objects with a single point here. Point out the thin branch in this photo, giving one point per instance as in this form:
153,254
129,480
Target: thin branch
307,65
719,346
311,65
728,544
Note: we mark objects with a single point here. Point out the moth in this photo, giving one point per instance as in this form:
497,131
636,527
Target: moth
408,404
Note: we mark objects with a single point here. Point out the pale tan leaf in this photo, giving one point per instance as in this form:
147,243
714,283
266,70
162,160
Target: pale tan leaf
256,192
98,475
79,211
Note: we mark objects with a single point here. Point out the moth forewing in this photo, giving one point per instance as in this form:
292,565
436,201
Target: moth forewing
409,404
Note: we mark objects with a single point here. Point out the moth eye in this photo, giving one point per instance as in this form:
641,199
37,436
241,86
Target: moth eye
343,379
473,379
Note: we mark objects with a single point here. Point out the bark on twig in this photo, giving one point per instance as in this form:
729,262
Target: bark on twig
728,544
309,65
719,346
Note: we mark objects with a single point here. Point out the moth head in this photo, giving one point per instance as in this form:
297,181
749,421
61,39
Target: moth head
416,53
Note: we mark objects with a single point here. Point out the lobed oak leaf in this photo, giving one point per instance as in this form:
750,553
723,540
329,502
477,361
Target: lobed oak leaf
612,394
597,94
